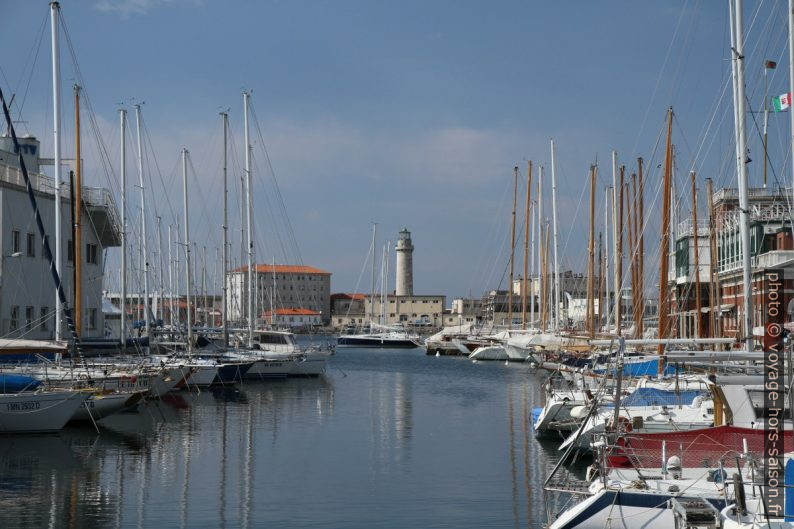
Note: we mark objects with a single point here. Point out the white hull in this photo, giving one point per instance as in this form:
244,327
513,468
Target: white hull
490,352
312,365
167,381
38,412
98,407
202,375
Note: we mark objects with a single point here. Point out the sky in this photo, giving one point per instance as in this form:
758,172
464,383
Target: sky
405,114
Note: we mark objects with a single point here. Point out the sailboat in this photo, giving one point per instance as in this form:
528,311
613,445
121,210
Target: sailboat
378,335
272,353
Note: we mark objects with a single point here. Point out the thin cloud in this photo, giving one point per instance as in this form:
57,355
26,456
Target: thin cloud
127,8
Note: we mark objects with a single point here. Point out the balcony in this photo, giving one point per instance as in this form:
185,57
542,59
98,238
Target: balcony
98,202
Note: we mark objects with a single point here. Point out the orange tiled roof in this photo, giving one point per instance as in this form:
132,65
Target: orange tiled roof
283,269
292,312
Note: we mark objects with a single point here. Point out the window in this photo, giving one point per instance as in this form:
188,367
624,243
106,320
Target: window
43,315
91,253
31,245
14,323
92,317
69,252
28,317
15,241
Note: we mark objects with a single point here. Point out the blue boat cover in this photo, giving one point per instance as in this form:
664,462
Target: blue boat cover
641,369
10,383
659,397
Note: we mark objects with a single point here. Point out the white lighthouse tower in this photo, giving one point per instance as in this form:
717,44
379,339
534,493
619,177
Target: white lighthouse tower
405,264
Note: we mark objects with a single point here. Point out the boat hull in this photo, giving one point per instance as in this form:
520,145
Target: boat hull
97,407
38,412
383,343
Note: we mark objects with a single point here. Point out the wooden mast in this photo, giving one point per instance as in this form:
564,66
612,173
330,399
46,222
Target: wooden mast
619,267
526,249
641,254
664,247
697,255
512,250
600,281
630,236
591,257
636,255
714,278
78,238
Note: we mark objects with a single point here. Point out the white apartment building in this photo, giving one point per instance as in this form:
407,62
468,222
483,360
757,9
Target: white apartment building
279,287
27,291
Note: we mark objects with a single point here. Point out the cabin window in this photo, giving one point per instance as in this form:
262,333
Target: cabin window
91,253
14,323
28,317
31,245
15,241
43,315
91,319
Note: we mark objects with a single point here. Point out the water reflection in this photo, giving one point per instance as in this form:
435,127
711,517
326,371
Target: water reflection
386,440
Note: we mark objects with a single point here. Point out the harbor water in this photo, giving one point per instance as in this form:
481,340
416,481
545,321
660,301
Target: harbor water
383,439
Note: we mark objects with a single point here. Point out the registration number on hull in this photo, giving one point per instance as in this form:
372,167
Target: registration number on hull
26,405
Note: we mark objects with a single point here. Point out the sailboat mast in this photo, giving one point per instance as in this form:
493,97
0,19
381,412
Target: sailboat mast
591,257
526,248
225,240
56,132
619,255
372,285
187,254
697,255
541,282
664,247
512,250
78,208
158,307
170,281
251,316
146,308
532,265
615,257
556,308
604,311
630,237
741,166
714,289
547,290
123,301
641,251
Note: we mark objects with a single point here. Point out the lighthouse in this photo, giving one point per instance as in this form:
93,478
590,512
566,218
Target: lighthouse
405,263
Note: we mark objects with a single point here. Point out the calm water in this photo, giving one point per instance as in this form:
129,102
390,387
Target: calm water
384,439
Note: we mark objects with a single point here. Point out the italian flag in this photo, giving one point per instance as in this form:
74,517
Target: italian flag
781,102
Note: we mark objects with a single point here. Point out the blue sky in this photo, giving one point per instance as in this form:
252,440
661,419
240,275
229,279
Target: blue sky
408,113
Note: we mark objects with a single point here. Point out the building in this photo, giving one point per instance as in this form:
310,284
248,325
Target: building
463,311
410,311
206,308
297,318
27,292
771,256
279,287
